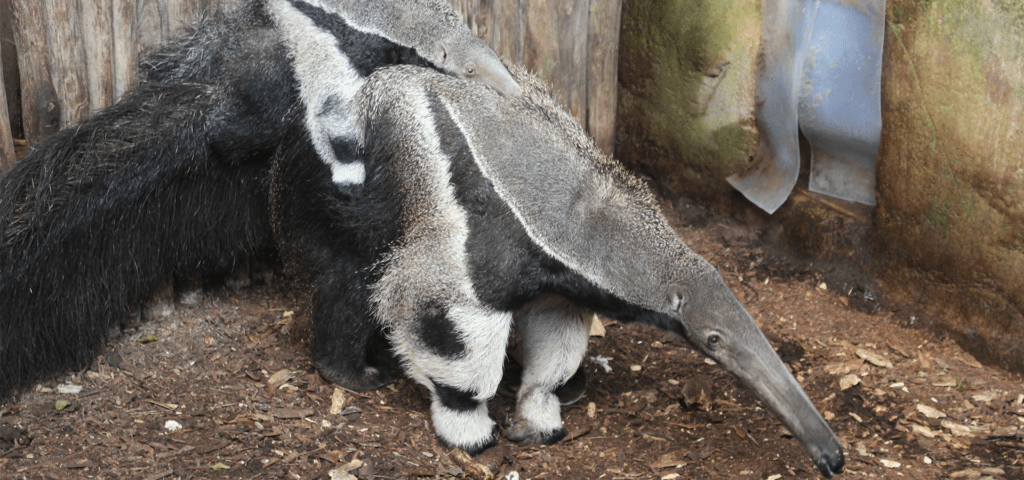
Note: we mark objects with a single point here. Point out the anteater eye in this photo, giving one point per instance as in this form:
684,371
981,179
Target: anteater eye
470,70
714,341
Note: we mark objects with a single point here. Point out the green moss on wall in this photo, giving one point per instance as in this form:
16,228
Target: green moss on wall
686,73
951,167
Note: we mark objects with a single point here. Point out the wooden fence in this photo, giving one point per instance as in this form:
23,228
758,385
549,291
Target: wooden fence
572,44
63,59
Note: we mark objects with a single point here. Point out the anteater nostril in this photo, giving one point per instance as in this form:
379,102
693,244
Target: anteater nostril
831,464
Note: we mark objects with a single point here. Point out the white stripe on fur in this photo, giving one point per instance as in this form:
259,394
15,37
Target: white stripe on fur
352,173
466,430
327,86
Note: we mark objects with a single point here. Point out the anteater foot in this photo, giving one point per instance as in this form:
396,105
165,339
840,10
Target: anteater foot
476,448
190,291
468,428
160,301
526,433
569,393
371,378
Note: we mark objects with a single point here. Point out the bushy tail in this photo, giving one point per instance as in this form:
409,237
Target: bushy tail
99,212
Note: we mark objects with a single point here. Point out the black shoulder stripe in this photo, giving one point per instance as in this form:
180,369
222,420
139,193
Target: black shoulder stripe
438,332
497,241
472,190
365,51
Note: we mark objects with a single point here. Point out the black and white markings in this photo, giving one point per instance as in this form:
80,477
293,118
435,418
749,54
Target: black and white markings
573,230
437,332
215,110
328,82
335,44
426,277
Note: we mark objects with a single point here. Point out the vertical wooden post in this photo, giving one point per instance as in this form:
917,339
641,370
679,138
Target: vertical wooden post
126,47
39,107
6,138
508,37
98,38
603,71
67,59
179,14
497,22
556,48
149,25
9,60
473,13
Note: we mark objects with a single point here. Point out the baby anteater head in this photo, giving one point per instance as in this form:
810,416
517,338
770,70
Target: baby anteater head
431,28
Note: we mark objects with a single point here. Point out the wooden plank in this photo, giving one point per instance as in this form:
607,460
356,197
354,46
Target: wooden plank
6,137
9,61
149,24
478,15
180,13
39,107
556,48
126,47
98,40
603,71
497,22
508,37
553,38
67,59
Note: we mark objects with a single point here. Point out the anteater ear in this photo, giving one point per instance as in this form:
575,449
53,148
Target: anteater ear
677,300
441,51
328,84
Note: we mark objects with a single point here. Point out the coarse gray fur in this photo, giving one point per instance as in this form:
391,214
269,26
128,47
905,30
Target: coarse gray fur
325,72
575,225
430,27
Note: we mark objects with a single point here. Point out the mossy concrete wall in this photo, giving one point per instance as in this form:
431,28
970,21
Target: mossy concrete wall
686,96
951,166
948,233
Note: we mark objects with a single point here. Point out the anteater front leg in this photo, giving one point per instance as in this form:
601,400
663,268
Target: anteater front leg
457,351
346,341
554,335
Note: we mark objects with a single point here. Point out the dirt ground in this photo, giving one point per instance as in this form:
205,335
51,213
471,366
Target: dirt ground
227,390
